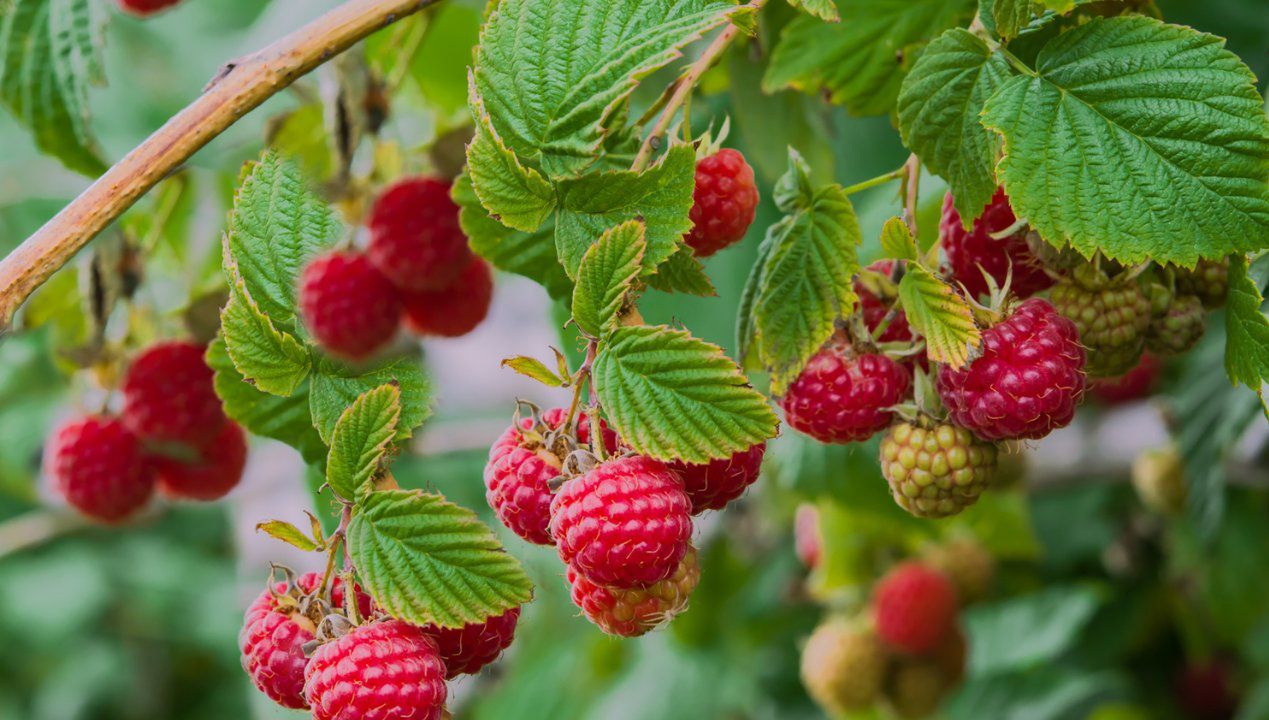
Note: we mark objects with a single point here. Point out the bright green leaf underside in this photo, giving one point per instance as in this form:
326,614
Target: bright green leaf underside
940,315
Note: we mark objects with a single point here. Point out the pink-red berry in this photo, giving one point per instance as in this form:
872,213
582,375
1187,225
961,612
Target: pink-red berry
168,395
625,523
348,305
1207,690
98,465
724,202
633,612
842,396
806,535
415,238
467,649
971,252
914,608
454,310
1027,382
1136,384
711,485
875,309
143,8
386,670
215,471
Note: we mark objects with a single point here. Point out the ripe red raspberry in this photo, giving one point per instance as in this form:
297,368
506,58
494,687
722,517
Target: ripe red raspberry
1209,280
274,630
467,649
379,671
914,608
1135,384
415,238
215,472
842,396
348,305
936,471
168,396
970,252
1206,690
626,523
874,309
99,467
455,309
635,611
806,535
711,485
724,202
1026,383
521,466
143,8
1179,328
1111,316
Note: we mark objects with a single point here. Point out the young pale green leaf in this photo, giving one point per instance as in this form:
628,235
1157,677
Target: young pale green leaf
282,418
271,360
552,71
287,533
278,224
428,561
50,52
794,190
336,386
518,196
535,369
939,105
858,61
940,315
660,196
1139,139
606,275
1246,328
897,241
822,9
360,440
531,254
682,273
670,395
745,326
1013,15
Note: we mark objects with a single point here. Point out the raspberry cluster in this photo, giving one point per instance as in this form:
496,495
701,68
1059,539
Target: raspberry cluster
936,470
172,434
1111,315
417,271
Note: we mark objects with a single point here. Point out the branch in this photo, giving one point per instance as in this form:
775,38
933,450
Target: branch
240,87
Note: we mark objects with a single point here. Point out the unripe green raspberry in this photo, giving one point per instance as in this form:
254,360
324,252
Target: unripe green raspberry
936,471
1209,280
1110,315
843,666
916,686
970,567
1178,329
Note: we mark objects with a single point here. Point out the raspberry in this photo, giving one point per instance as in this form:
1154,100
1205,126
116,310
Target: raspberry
711,485
1111,316
98,465
380,671
971,252
626,523
636,611
455,309
520,469
1179,329
348,305
806,535
916,686
467,649
415,238
843,397
843,666
1026,383
213,474
1159,478
1135,384
874,309
914,607
936,471
967,564
143,8
724,202
1206,690
1209,280
274,631
168,396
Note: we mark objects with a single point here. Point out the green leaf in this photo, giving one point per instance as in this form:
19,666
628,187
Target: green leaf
939,106
1013,15
360,440
822,9
1028,630
518,196
682,273
287,533
1139,139
427,561
300,135
271,360
897,241
941,315
660,196
605,277
745,325
1246,328
282,418
552,71
670,395
535,369
336,386
859,61
50,52
529,254
278,224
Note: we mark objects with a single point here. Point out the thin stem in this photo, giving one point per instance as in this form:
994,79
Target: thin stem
597,447
912,182
879,180
579,379
1009,57
332,549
